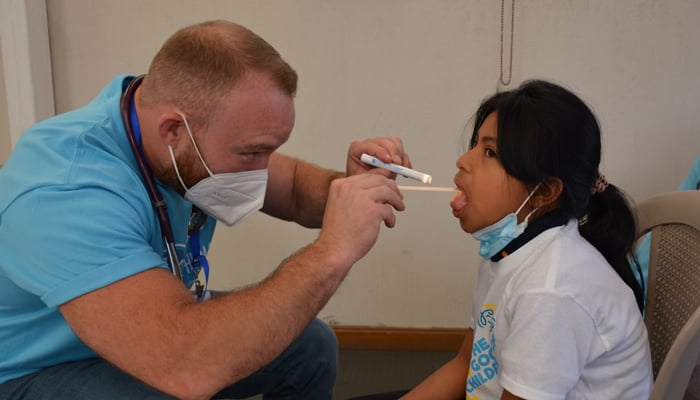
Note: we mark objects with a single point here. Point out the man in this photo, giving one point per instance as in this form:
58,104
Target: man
88,306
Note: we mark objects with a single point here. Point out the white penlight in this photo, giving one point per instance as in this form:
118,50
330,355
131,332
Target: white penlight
401,170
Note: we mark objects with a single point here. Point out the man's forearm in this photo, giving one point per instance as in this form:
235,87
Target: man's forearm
297,190
158,333
311,185
257,323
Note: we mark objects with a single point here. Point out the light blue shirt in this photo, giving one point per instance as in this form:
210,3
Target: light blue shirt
74,217
692,182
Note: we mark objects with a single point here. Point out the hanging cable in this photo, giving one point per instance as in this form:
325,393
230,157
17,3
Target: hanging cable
502,81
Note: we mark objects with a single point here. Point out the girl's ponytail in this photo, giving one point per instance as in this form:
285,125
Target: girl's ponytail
609,225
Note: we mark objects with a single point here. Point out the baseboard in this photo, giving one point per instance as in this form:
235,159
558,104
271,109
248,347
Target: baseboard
398,339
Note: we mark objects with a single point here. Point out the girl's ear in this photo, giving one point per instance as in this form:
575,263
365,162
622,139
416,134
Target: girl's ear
549,192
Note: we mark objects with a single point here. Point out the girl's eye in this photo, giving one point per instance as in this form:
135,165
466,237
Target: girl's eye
490,153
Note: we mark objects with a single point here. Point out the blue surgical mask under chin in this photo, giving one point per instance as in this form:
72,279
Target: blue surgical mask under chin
495,237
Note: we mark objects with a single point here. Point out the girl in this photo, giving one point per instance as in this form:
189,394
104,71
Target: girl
556,310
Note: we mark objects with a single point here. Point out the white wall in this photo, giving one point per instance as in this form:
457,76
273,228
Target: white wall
417,69
27,84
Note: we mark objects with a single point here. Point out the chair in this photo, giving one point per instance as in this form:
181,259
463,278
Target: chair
672,312
679,364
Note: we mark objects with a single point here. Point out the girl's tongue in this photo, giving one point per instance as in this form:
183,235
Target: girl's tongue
458,202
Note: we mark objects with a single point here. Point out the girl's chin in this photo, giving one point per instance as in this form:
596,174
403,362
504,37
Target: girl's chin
466,227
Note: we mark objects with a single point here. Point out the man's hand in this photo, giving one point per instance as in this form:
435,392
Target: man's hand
356,208
387,149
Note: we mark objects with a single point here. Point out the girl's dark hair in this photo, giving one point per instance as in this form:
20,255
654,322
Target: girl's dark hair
546,131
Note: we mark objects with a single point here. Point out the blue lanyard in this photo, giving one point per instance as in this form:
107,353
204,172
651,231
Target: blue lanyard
136,127
199,261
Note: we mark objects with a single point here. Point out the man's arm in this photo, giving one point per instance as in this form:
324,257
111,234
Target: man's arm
298,190
150,326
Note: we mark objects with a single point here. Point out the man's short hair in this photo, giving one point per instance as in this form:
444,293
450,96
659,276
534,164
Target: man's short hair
201,63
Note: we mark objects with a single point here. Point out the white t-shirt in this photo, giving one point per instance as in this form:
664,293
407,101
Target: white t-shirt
553,320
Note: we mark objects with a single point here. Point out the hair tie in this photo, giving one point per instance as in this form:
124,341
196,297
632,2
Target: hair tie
600,184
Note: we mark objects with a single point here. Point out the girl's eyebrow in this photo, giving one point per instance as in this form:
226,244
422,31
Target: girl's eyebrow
488,139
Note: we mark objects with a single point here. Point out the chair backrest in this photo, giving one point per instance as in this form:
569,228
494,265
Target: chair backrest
673,287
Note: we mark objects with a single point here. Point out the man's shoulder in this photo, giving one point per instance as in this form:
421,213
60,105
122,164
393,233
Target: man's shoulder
86,146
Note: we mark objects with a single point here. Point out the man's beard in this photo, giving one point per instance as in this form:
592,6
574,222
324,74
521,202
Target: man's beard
189,172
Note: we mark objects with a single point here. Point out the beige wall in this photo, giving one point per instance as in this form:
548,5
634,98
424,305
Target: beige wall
5,144
417,69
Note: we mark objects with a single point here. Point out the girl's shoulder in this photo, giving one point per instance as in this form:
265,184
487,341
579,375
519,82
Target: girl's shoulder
561,261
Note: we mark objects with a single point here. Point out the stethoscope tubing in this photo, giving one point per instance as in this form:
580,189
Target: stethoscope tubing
159,204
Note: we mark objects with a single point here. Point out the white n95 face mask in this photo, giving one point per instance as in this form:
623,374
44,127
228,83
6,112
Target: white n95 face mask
228,197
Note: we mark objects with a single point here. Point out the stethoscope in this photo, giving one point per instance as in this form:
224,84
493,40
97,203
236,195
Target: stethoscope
197,219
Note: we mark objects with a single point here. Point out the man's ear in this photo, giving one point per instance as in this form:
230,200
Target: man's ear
549,192
170,128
